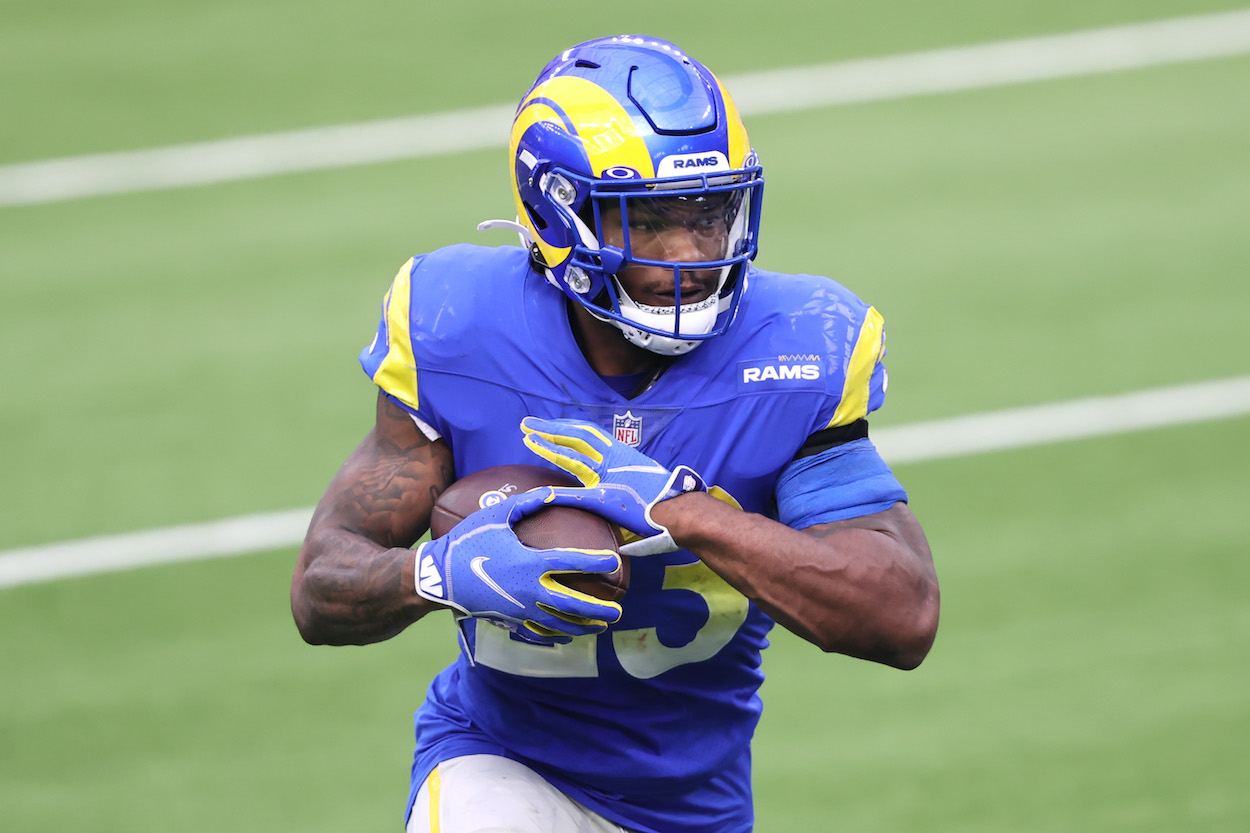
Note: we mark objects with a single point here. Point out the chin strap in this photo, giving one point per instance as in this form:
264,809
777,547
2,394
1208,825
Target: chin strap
697,318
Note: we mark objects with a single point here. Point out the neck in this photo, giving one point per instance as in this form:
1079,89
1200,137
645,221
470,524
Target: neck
605,348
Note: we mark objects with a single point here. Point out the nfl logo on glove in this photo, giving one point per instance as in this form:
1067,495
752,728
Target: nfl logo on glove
627,429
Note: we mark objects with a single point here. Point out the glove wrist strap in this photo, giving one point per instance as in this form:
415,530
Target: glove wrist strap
429,578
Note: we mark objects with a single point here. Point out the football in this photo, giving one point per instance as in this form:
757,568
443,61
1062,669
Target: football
555,526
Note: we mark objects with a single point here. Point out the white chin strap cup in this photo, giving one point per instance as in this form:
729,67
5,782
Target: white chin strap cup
696,319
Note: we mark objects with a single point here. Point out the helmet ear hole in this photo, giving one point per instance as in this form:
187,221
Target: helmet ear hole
535,217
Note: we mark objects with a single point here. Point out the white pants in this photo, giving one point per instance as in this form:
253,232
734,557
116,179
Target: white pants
490,794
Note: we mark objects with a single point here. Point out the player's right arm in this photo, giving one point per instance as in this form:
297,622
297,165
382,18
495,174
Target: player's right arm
354,581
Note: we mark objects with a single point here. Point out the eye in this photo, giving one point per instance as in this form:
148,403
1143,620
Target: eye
708,226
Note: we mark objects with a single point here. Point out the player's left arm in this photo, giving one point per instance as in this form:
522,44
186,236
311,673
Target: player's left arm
865,586
846,565
853,574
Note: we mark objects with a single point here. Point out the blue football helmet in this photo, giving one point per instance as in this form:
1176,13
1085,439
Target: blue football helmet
618,142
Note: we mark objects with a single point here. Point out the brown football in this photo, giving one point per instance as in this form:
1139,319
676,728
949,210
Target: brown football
555,526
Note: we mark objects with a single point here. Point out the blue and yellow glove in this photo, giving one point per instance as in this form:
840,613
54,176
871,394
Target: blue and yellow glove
622,484
482,570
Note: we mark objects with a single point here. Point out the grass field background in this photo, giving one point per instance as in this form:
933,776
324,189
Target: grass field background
189,355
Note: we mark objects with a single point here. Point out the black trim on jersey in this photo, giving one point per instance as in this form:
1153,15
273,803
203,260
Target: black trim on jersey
828,438
664,363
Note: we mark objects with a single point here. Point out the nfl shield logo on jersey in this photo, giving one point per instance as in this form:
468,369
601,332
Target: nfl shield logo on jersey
627,429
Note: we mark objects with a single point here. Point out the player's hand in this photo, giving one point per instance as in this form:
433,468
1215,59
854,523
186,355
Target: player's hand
622,484
480,569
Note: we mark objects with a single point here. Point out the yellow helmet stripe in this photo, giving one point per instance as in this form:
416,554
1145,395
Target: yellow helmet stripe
739,144
608,134
530,113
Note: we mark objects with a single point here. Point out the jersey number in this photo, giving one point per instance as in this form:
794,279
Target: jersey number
639,651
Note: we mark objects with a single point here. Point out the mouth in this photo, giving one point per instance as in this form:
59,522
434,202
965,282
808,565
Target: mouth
653,286
693,290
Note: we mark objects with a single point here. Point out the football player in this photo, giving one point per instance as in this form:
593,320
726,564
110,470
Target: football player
715,411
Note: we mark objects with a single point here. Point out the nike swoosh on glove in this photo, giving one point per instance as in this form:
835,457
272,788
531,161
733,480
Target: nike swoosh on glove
622,484
482,570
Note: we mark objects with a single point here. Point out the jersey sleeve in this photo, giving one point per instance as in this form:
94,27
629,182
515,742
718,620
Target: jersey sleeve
839,474
846,481
389,359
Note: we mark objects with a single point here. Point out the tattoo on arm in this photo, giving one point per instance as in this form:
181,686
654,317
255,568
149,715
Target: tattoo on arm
353,582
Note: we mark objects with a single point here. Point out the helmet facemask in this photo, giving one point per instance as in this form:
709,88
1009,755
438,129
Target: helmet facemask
663,262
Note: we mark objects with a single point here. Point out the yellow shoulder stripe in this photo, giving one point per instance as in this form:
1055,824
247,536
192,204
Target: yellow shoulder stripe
397,374
864,359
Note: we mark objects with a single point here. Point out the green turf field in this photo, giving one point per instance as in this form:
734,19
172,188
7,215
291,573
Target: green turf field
189,355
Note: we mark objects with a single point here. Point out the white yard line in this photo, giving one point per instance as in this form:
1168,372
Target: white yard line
977,433
110,553
1094,51
1062,421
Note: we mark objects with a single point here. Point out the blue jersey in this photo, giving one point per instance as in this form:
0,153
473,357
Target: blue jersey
649,723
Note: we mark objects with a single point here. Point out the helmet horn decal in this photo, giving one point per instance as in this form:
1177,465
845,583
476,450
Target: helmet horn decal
614,121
